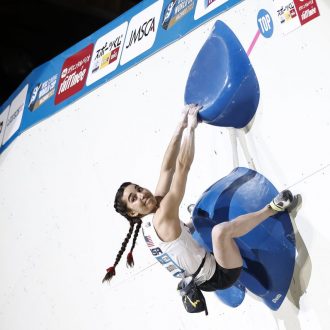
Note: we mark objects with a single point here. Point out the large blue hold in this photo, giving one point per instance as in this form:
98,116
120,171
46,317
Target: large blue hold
268,250
223,81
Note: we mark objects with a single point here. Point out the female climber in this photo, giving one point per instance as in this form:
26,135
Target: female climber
168,238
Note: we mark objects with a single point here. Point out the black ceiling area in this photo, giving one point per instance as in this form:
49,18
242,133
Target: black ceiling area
34,31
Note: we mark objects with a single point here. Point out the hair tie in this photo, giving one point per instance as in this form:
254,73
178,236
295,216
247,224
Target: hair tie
130,260
110,274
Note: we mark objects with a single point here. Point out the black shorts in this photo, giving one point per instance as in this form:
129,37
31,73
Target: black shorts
222,278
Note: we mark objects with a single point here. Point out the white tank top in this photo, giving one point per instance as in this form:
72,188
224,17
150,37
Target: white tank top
180,257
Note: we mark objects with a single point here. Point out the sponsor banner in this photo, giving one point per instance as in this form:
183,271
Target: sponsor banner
293,14
41,92
287,15
73,74
175,10
307,10
15,114
106,54
3,119
204,7
209,2
141,32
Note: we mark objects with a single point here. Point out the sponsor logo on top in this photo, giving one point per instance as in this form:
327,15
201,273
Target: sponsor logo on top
73,74
141,32
208,2
287,12
42,92
307,10
15,114
106,54
204,7
295,13
3,118
175,10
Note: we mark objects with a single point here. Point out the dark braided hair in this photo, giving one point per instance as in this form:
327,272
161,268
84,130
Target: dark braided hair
121,208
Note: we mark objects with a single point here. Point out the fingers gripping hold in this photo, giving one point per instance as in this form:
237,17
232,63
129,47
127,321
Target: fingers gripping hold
192,115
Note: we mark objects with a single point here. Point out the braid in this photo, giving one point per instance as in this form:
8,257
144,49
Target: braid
124,244
130,260
111,271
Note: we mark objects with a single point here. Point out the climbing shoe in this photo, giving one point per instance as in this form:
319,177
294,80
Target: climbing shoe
282,201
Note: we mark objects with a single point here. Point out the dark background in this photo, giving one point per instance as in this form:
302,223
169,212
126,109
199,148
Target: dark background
34,31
